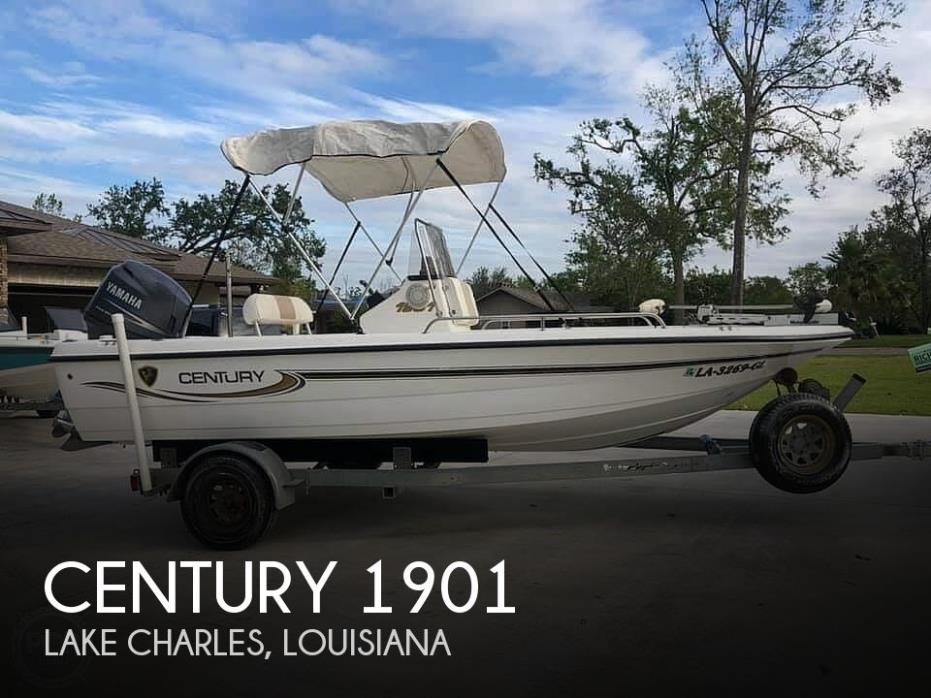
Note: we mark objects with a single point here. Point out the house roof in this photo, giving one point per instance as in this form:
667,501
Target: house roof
530,297
580,302
61,242
19,222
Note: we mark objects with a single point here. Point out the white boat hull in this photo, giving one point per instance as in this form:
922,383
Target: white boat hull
562,389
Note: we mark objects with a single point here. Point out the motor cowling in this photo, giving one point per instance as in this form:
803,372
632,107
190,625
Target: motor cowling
154,305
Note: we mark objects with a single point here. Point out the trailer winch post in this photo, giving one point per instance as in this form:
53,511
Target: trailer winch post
135,418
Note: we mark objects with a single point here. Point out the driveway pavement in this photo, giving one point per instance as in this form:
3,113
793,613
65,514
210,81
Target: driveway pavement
674,585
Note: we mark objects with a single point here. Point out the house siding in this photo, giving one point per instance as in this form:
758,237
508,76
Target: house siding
48,275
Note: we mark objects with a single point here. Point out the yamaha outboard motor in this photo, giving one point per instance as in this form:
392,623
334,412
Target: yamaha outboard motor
154,304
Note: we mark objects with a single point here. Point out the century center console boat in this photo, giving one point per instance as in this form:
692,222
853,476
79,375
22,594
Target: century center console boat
423,379
423,364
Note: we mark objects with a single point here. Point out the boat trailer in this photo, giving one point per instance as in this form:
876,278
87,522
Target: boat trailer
230,491
48,408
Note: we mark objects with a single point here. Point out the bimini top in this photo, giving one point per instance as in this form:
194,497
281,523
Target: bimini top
367,159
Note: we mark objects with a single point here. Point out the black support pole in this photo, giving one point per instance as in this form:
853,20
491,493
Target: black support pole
216,249
494,232
539,266
342,256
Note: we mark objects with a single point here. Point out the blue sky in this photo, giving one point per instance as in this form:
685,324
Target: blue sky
94,93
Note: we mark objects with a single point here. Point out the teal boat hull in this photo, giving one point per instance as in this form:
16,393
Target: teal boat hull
25,373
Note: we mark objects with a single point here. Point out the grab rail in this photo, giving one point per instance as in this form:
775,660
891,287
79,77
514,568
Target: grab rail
649,319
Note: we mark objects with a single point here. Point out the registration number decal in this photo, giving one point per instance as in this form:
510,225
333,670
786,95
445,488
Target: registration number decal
725,369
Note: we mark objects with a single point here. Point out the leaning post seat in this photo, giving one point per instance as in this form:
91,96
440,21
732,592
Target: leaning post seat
261,309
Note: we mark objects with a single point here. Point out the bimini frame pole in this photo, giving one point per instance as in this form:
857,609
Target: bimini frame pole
339,263
478,229
297,185
393,250
539,266
227,224
394,241
359,226
388,261
494,232
282,222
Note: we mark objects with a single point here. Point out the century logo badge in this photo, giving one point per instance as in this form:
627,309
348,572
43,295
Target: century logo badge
148,374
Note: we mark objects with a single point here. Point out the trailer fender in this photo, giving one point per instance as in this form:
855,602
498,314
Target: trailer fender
282,484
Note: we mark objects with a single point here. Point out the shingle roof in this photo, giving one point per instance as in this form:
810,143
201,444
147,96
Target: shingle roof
530,297
18,222
59,248
66,242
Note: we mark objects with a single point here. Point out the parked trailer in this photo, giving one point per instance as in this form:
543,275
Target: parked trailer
231,491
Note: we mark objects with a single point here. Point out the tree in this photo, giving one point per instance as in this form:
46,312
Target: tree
866,276
615,266
484,281
766,290
703,287
807,282
907,217
656,194
134,210
47,203
713,286
785,59
254,238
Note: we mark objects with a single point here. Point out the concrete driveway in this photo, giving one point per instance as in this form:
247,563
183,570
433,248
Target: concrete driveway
674,585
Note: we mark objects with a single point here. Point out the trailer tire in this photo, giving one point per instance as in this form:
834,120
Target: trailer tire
800,443
227,502
760,416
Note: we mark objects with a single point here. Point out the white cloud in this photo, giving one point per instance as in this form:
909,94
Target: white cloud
579,38
44,128
263,69
69,74
21,186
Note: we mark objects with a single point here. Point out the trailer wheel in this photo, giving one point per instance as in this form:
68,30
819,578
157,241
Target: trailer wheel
800,443
227,503
760,416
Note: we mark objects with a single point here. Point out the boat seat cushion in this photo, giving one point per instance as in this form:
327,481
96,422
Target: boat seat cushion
266,309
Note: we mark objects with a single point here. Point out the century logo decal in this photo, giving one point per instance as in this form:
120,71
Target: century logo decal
148,374
219,377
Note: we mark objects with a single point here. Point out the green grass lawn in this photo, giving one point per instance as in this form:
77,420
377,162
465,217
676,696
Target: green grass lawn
892,386
891,340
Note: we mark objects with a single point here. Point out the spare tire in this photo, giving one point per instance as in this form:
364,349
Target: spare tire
800,443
